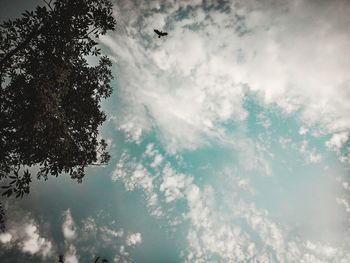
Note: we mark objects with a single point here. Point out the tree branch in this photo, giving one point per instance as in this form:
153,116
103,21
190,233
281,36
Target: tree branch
98,164
48,4
22,45
88,33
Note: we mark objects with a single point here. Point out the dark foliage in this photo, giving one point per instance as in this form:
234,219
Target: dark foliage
49,96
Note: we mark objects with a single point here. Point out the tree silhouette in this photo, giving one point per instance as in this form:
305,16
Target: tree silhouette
50,96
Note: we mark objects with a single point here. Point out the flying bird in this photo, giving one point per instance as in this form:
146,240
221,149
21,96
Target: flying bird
160,33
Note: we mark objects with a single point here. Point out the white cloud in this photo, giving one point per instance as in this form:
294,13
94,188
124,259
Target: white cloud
284,142
345,203
303,130
140,178
68,227
187,86
173,184
240,183
112,232
135,175
150,150
337,141
264,120
346,185
192,80
89,225
71,255
69,231
133,239
108,234
158,158
212,238
214,228
34,244
310,155
5,237
25,234
132,129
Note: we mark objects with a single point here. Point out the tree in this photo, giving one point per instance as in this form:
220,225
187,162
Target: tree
50,96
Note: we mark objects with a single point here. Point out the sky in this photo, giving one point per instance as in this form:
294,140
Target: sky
229,141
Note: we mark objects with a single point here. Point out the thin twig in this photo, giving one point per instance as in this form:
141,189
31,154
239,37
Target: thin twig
48,4
98,164
88,33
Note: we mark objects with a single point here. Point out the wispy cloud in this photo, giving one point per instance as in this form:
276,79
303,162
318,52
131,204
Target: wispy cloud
232,229
191,89
192,80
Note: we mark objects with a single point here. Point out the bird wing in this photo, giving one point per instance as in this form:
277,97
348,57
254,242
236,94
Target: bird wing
157,31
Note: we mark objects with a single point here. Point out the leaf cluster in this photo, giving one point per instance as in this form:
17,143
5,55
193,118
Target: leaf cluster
50,96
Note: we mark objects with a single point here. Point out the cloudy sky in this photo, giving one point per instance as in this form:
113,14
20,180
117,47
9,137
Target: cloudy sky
229,141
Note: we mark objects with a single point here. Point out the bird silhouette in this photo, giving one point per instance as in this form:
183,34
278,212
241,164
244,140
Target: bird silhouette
160,33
